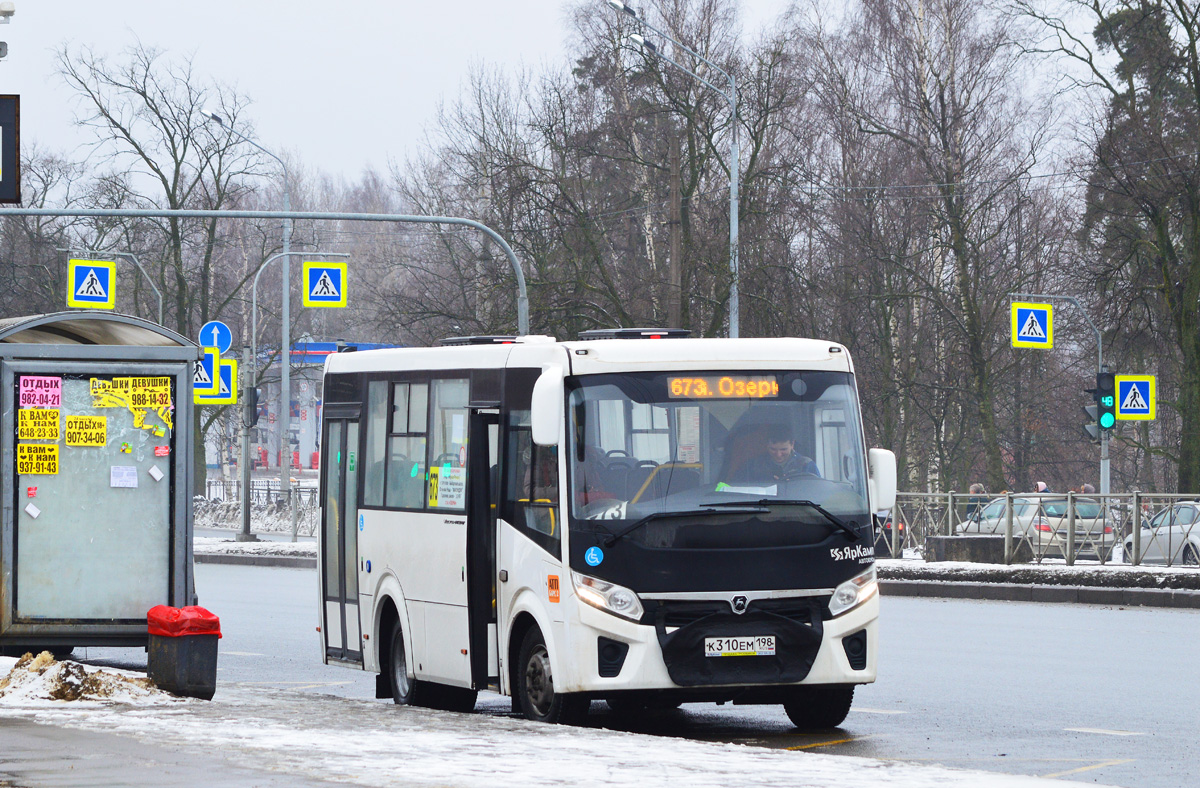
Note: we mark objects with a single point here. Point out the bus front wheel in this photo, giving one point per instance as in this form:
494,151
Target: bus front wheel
819,706
406,689
535,683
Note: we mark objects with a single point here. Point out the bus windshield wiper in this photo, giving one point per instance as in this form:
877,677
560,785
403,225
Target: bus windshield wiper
732,508
838,522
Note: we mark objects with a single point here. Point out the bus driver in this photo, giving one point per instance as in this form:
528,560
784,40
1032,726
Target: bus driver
779,460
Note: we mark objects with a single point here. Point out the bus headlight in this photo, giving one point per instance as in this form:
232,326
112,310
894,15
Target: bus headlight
853,592
609,597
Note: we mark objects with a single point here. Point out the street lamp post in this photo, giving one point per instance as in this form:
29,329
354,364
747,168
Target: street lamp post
731,97
285,367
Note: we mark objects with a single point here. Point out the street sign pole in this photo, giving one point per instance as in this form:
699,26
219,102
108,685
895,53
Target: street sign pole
247,382
1104,476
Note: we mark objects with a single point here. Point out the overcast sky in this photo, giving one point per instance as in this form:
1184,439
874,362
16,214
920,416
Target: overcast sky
339,84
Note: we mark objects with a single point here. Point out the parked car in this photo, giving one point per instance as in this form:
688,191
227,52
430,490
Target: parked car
1043,521
1173,532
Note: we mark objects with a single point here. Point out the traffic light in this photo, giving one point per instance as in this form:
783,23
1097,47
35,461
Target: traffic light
251,407
1092,428
1106,400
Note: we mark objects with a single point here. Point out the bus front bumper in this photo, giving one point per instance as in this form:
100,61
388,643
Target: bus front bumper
643,667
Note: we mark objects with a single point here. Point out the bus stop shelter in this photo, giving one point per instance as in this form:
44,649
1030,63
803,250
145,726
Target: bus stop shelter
96,438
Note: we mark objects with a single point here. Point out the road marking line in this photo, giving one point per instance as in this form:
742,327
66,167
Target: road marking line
1104,732
1101,765
292,683
828,743
878,711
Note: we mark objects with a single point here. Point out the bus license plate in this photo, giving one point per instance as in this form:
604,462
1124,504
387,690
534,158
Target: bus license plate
756,646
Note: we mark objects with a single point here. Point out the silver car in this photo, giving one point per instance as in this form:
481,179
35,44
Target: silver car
1171,536
1042,520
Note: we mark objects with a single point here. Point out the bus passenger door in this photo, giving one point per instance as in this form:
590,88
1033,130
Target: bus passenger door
339,541
482,501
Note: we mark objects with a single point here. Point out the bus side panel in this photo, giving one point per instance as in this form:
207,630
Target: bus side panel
435,587
528,590
447,659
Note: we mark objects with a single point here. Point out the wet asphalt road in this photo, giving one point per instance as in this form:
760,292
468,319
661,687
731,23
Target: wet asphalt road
1088,693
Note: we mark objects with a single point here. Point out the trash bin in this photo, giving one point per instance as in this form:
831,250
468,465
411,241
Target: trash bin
183,650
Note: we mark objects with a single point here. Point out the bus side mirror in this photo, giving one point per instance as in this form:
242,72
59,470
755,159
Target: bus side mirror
882,465
547,406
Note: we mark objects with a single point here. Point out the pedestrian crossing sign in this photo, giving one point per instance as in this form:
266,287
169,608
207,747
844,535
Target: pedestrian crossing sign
227,380
1032,325
90,284
324,284
205,380
1135,397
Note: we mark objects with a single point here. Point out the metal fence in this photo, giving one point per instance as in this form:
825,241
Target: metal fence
262,491
1130,528
267,506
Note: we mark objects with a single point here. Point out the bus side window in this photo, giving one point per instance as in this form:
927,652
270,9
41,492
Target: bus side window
448,445
375,459
406,446
532,484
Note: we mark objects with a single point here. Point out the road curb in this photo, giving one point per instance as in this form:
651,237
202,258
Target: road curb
1022,592
287,561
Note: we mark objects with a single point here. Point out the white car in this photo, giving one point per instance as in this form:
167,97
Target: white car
1171,536
1043,521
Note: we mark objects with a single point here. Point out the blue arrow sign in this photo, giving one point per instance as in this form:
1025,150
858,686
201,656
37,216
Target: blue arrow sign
216,334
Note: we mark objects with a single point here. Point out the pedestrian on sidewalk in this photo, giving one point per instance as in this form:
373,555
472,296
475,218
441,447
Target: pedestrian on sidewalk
977,499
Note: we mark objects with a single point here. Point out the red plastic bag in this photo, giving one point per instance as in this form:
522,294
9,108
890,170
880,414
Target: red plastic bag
175,622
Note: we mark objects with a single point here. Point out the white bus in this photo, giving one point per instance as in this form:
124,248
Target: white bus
633,517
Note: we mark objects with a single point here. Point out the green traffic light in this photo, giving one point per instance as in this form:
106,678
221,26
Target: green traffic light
1107,420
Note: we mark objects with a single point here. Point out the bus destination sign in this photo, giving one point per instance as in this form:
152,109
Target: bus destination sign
724,387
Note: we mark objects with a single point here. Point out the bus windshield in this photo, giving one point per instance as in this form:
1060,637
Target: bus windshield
714,449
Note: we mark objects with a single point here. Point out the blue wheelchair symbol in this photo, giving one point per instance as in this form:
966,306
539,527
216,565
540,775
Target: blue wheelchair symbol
593,556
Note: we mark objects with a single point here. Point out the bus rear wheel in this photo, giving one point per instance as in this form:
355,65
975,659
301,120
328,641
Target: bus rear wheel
535,683
406,689
819,706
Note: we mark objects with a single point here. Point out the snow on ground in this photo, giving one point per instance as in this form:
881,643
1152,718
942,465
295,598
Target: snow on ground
264,518
379,744
39,680
212,545
1051,572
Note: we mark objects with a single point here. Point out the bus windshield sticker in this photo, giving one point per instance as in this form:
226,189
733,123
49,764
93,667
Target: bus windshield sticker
594,556
452,488
434,472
